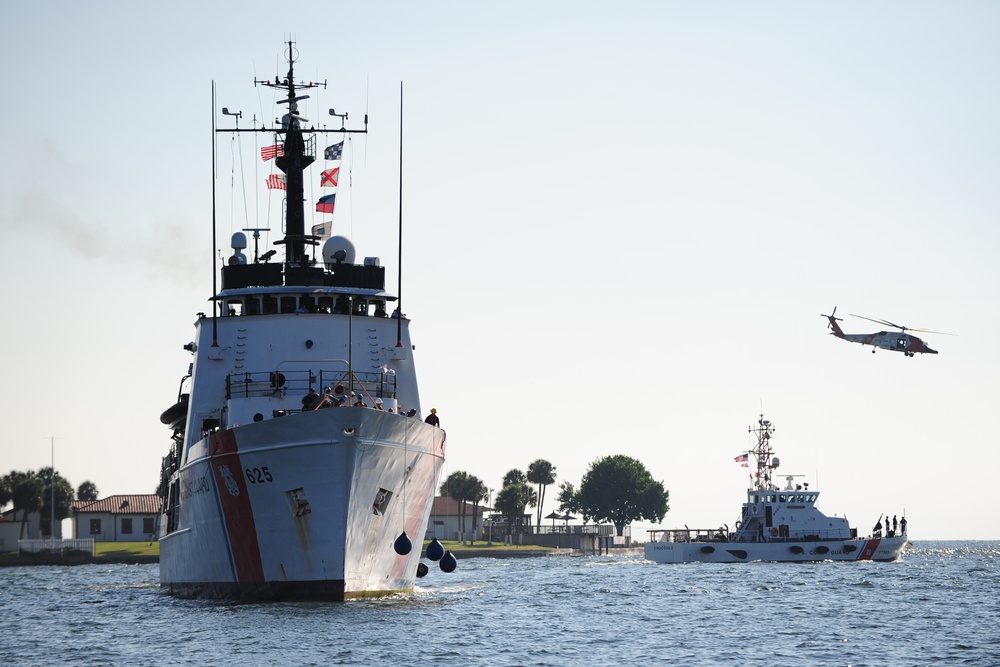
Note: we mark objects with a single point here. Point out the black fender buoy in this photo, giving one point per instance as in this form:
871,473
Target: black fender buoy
822,550
421,570
850,548
796,549
434,550
707,550
402,545
448,562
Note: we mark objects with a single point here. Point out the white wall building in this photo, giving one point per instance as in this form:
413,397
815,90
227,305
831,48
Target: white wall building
126,518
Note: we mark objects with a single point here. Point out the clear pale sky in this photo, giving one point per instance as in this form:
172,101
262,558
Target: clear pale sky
621,226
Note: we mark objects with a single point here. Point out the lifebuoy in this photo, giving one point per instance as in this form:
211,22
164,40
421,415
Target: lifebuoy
774,532
739,524
754,509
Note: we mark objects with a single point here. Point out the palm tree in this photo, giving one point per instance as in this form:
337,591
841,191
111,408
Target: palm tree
456,487
478,492
542,473
513,476
25,491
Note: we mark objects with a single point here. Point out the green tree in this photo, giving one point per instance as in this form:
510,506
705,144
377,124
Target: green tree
479,493
86,491
512,500
568,499
456,487
465,488
513,476
542,473
5,492
63,495
25,491
618,489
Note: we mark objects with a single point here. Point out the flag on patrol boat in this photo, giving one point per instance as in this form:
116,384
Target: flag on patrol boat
276,182
271,152
329,178
325,204
321,231
334,152
743,458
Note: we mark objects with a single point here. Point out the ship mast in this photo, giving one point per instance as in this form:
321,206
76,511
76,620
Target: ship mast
762,452
297,153
294,160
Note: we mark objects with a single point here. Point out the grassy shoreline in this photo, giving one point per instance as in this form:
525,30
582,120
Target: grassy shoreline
149,552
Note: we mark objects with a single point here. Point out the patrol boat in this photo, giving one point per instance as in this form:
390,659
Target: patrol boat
271,491
776,525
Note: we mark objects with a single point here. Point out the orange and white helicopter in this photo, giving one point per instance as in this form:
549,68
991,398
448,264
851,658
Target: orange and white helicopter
888,340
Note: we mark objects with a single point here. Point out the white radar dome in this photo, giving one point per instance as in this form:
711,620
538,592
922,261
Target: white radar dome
239,241
774,462
339,249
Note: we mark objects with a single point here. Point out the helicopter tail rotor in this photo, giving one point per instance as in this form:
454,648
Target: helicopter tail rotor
832,323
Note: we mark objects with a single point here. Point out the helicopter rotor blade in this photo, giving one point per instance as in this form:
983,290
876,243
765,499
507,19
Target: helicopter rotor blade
902,328
885,322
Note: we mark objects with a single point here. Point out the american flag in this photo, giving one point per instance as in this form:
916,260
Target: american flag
743,458
276,182
271,152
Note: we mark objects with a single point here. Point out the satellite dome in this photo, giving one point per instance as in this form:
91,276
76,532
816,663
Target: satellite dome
339,250
239,241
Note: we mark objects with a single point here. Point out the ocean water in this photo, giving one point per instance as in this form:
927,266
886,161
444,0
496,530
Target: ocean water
939,605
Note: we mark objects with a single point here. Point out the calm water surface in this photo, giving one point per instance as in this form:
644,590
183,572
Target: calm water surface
940,605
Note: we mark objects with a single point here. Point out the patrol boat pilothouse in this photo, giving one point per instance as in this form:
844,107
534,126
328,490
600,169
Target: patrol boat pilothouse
268,495
776,525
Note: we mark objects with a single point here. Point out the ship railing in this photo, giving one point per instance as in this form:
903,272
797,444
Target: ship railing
298,382
688,535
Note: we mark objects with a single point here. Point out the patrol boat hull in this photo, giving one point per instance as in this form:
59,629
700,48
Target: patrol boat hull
797,551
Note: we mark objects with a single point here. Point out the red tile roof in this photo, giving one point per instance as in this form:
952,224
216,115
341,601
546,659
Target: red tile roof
146,503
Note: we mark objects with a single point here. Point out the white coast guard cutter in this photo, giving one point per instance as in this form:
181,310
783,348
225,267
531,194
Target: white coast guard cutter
270,497
776,525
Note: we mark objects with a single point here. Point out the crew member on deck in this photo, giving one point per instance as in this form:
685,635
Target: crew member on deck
432,418
311,400
327,400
